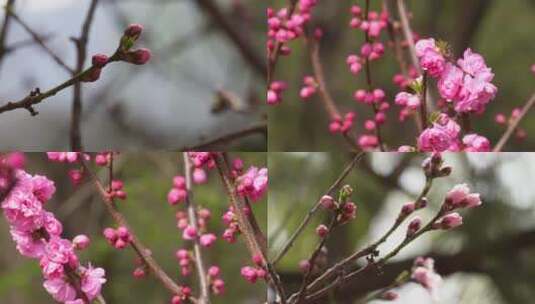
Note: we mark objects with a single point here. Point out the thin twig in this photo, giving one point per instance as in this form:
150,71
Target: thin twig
256,247
315,208
325,96
505,137
192,217
142,251
5,28
227,138
246,49
40,42
81,47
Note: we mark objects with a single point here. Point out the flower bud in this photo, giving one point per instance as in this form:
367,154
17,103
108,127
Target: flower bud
92,75
327,202
133,30
81,242
139,57
414,226
449,221
322,231
100,60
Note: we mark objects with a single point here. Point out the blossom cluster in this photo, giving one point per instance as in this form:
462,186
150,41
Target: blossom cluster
37,234
466,88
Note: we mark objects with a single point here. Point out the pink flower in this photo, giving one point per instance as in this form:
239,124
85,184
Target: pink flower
450,82
199,176
139,57
81,241
27,244
408,100
474,95
442,136
91,281
249,273
449,221
425,275
476,143
430,57
424,45
59,250
327,202
214,271
60,290
23,210
67,157
460,197
207,240
474,65
52,226
176,196
253,183
190,233
322,231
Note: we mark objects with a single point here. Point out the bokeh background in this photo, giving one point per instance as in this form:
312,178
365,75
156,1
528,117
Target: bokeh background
164,104
147,178
489,259
500,30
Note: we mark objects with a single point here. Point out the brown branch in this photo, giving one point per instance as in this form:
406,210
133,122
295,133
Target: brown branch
142,251
227,138
5,28
254,243
192,217
505,137
248,52
325,96
349,167
40,42
81,48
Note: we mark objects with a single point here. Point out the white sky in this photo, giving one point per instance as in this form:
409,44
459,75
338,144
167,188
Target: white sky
41,4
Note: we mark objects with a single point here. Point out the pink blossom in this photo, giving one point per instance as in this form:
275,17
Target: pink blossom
442,136
327,202
425,275
52,226
207,240
176,196
459,197
23,210
214,271
59,250
190,233
474,95
199,176
81,241
449,221
450,82
60,290
476,143
408,100
67,157
474,65
249,273
253,183
322,231
27,244
430,57
91,281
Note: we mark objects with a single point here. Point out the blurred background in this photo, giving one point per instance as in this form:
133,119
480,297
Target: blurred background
501,31
147,178
489,259
167,103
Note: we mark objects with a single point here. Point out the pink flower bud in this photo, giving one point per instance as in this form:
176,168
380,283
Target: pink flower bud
207,240
100,60
327,202
249,273
76,176
133,30
110,234
449,221
414,226
199,176
139,57
214,271
81,242
139,273
92,75
322,231
218,286
304,266
190,233
176,196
